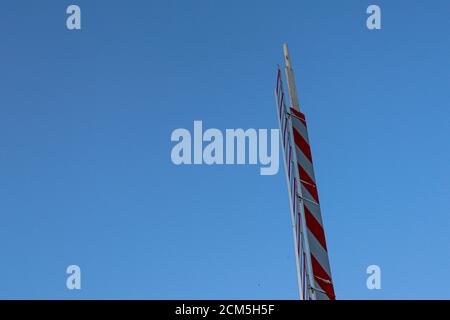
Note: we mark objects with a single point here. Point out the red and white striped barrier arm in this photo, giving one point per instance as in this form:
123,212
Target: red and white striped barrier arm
292,181
323,288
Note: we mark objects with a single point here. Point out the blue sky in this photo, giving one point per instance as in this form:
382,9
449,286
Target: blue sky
86,176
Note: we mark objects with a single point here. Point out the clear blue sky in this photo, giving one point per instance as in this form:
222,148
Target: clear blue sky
86,176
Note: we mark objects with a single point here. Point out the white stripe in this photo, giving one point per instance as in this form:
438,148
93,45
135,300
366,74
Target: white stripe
300,127
305,163
305,194
319,252
315,210
319,294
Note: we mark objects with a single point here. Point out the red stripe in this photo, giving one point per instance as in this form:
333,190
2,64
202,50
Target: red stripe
312,190
299,221
281,103
299,115
295,194
289,164
310,184
284,132
278,79
315,227
305,176
319,274
304,274
298,232
302,144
